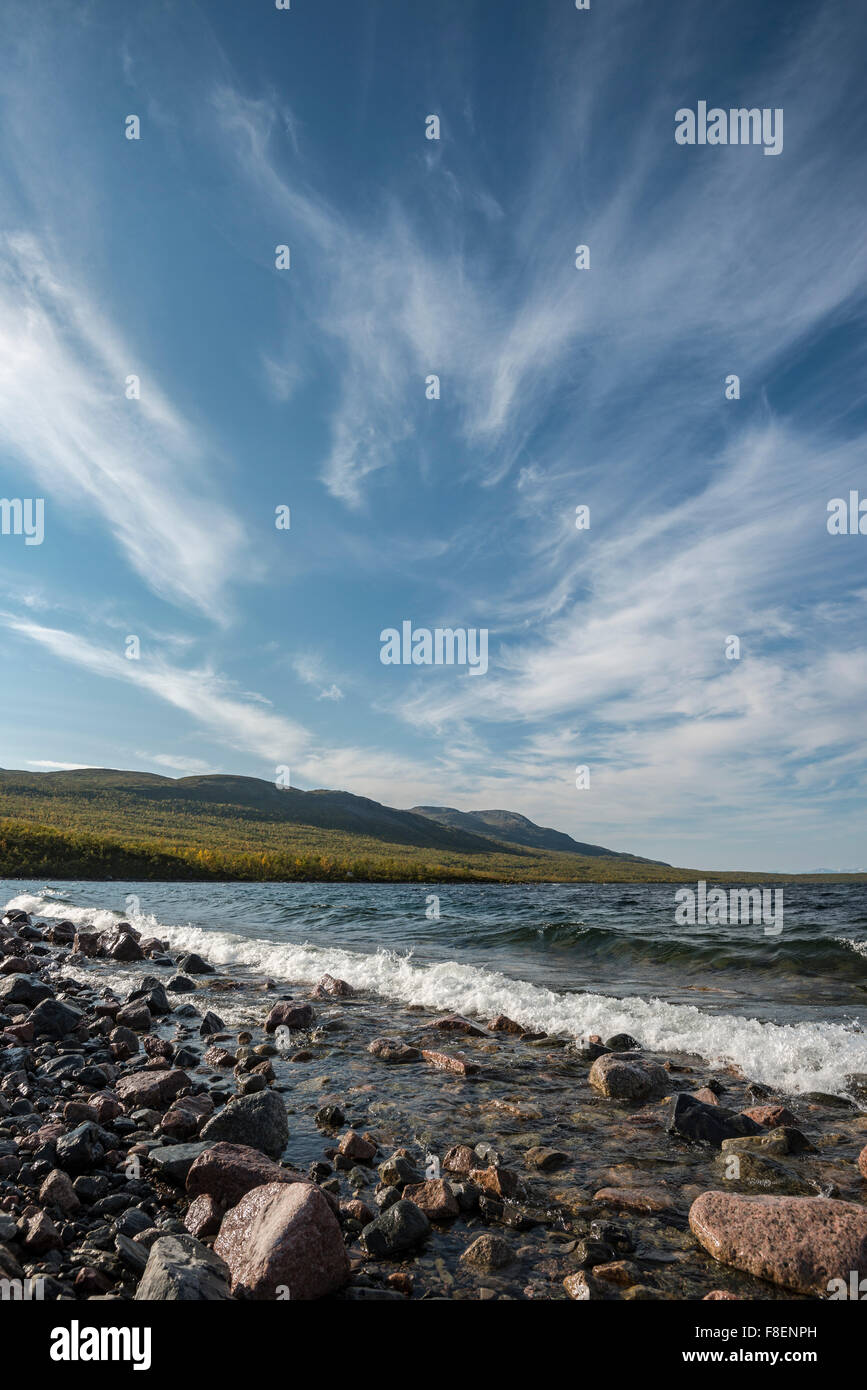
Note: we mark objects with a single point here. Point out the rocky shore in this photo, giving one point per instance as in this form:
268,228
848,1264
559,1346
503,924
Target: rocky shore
171,1131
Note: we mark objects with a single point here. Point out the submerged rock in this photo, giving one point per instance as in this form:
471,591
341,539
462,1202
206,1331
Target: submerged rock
393,1050
707,1124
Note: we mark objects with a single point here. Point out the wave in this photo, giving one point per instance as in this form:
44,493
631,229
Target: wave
793,1057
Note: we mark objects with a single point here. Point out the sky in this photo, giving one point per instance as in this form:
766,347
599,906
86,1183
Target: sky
306,387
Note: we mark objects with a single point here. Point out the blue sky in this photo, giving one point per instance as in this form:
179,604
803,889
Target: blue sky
559,387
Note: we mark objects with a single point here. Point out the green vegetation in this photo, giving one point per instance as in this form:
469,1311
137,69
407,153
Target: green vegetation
97,824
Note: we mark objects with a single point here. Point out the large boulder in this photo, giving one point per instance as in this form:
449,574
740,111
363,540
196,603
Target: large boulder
228,1172
258,1120
628,1076
283,1240
799,1243
180,1267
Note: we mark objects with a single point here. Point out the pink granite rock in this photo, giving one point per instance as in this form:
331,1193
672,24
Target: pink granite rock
800,1243
228,1172
283,1240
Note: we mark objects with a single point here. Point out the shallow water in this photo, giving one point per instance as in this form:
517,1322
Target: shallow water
789,1010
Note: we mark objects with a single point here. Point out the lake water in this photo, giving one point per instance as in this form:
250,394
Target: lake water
790,1010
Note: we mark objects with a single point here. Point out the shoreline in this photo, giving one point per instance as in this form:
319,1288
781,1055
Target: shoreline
592,1171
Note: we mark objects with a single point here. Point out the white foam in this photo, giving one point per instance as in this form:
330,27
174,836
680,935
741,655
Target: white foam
793,1057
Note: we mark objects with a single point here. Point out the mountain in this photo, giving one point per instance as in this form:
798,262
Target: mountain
518,830
141,794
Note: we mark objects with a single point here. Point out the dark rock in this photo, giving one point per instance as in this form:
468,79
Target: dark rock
180,1267
257,1120
399,1228
708,1124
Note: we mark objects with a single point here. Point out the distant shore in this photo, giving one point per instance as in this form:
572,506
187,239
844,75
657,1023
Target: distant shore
29,850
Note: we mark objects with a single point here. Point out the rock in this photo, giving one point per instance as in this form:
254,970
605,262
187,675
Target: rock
23,989
41,1235
487,1253
258,1120
329,987
227,1172
136,1016
500,1182
352,1145
799,1243
179,984
590,1252
124,947
625,1076
399,1228
459,1159
503,1024
776,1142
754,1170
456,1023
393,1050
151,1090
194,965
86,943
705,1095
186,1115
283,1240
707,1124
180,1267
53,1019
546,1160
435,1198
124,1043
397,1171
648,1200
211,1023
623,1042
203,1217
220,1058
57,1191
771,1116
862,1162
716,1295
622,1272
454,1062
132,1254
152,993
577,1286
83,1148
174,1161
285,1014
329,1117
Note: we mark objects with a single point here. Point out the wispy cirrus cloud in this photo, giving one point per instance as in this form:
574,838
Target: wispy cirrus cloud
135,464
